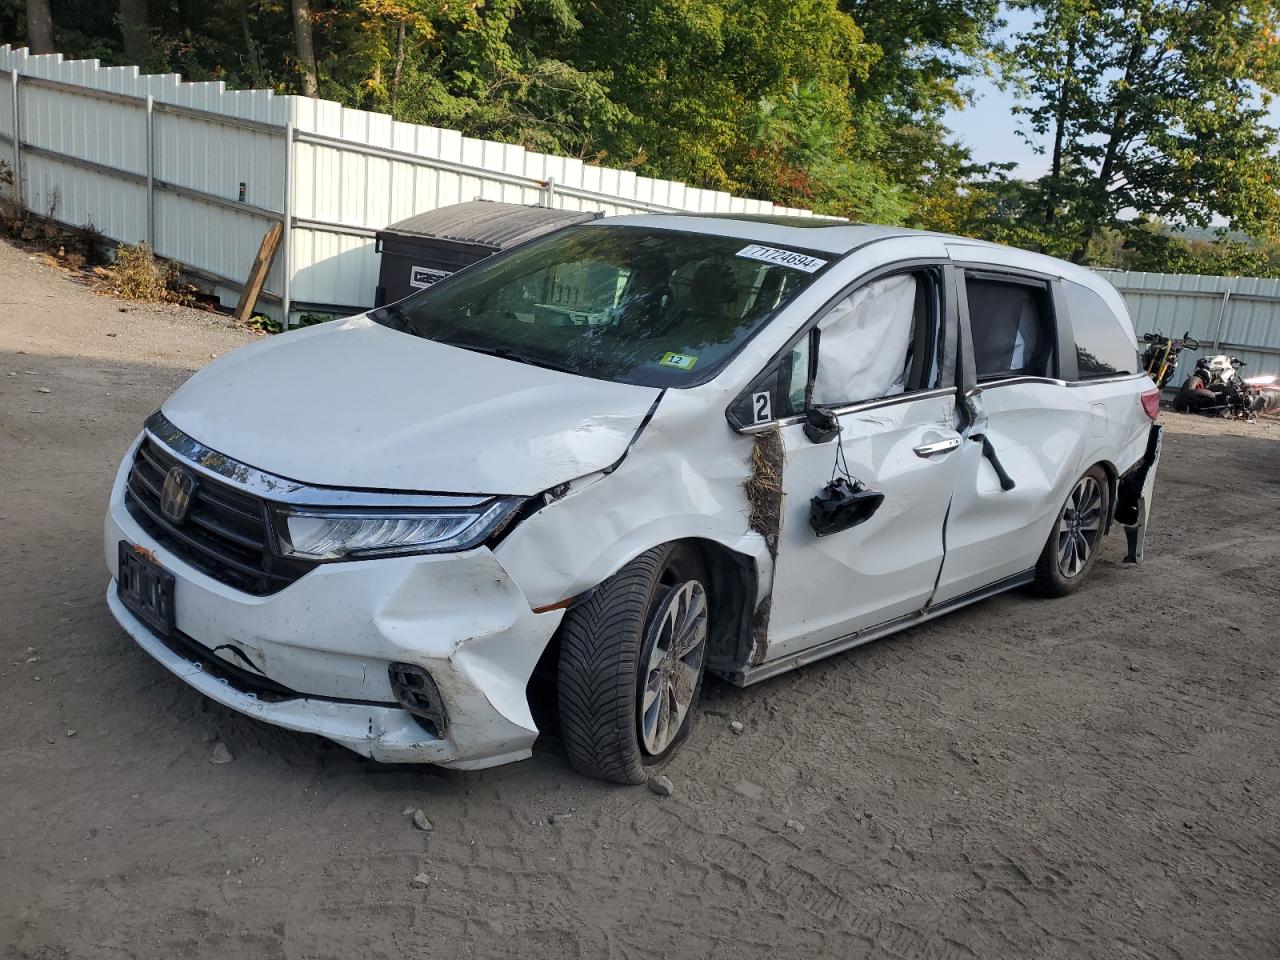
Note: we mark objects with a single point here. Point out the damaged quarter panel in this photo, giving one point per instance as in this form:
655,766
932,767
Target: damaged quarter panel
994,533
658,493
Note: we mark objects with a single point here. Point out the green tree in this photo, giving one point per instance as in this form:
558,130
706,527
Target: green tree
923,56
1153,106
828,104
751,97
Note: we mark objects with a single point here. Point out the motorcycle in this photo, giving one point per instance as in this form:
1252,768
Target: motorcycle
1160,358
1216,388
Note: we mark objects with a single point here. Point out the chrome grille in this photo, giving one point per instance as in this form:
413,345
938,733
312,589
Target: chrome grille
226,532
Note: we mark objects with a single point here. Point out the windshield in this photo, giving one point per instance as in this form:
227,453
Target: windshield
659,308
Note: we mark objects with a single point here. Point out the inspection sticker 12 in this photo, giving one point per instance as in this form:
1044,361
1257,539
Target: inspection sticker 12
681,361
784,258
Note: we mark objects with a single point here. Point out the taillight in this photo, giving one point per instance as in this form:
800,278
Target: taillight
1151,403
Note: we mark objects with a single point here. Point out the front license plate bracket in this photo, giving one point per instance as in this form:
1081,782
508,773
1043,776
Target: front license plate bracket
146,589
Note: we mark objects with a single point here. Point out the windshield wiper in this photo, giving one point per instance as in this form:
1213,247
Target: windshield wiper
506,353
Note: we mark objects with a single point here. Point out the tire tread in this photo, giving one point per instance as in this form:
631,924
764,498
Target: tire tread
599,649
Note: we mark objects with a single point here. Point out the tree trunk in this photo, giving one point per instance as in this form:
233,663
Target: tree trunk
1097,203
39,27
252,56
395,75
1059,134
306,49
134,32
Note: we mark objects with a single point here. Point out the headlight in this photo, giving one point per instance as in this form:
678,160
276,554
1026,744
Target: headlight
317,534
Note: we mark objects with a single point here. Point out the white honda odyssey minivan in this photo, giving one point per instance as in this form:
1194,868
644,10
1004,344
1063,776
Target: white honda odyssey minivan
620,457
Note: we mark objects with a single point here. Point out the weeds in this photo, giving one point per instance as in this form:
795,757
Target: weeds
138,275
764,487
263,324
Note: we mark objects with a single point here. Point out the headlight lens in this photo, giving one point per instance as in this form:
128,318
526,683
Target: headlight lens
317,534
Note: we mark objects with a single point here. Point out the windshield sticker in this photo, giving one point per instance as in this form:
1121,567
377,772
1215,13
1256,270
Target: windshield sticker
681,361
783,258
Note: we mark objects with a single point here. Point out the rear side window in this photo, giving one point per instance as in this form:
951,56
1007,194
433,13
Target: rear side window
1012,327
1104,344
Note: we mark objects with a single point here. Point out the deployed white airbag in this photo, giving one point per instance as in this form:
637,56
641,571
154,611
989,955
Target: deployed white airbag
863,351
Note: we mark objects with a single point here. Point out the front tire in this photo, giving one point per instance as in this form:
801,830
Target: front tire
1073,544
632,658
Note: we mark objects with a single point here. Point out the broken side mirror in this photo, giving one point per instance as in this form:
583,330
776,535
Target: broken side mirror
842,505
820,424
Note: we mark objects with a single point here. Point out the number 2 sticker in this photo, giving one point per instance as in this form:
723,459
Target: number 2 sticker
762,407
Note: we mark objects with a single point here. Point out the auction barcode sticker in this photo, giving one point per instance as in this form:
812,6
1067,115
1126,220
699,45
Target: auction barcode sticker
784,258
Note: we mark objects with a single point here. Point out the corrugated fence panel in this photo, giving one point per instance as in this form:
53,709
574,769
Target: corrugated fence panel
1240,314
109,132
81,198
211,239
219,159
6,133
332,268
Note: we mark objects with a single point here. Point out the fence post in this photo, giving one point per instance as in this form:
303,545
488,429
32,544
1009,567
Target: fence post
286,244
1222,316
151,173
551,192
17,141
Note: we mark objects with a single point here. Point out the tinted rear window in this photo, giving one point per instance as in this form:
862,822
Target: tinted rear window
1012,329
1104,345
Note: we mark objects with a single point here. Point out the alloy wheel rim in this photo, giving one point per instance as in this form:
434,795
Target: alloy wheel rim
676,644
1079,526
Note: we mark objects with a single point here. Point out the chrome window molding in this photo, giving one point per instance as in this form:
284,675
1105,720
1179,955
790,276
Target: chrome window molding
225,469
1111,378
853,408
1010,381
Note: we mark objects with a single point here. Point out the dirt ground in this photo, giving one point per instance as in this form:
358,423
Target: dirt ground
1089,777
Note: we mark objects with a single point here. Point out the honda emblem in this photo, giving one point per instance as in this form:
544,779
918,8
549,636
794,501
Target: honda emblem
175,498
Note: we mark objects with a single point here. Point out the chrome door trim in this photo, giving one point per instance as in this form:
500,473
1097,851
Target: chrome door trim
854,408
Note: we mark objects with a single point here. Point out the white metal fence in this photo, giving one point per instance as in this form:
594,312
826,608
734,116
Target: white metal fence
200,172
1235,315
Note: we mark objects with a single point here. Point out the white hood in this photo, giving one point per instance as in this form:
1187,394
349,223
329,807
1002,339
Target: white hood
355,404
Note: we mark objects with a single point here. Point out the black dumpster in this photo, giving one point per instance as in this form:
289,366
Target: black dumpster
429,246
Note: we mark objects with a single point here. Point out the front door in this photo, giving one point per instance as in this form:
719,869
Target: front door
882,362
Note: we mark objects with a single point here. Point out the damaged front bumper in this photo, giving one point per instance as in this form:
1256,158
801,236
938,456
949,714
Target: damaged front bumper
316,656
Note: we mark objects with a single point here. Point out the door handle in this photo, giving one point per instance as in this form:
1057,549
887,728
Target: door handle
940,446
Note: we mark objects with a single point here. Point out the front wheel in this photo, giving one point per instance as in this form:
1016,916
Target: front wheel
631,664
1073,544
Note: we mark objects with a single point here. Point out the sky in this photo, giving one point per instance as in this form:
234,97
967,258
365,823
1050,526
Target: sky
989,130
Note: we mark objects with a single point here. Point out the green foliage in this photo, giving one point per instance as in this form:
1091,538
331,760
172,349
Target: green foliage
1149,245
264,324
821,103
1150,112
1154,106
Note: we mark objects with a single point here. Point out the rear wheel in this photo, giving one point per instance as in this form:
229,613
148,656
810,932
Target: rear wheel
1072,547
631,665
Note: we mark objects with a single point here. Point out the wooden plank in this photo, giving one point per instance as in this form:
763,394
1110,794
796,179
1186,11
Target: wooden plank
258,272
